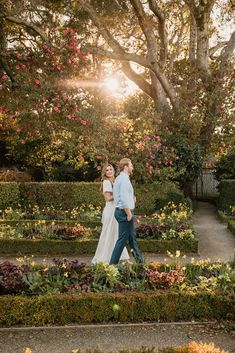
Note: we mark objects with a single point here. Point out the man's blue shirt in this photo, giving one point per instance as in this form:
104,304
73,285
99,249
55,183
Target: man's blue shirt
123,192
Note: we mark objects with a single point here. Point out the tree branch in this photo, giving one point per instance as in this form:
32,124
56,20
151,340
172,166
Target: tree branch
141,83
161,28
28,25
113,43
147,29
226,54
8,71
122,56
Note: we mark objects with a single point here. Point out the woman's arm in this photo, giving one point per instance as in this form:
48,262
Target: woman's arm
108,196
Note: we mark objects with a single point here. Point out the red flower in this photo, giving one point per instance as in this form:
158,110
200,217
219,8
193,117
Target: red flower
4,77
37,82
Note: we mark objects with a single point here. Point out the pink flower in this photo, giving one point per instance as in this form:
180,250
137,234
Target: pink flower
17,67
18,130
4,77
23,142
23,66
37,82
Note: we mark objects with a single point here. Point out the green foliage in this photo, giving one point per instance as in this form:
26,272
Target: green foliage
9,195
97,308
80,247
231,225
226,197
225,167
189,163
69,195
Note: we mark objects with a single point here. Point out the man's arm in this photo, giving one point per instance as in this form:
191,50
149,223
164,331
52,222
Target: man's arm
125,199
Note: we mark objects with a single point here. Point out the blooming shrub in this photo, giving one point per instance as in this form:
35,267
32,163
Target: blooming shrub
162,280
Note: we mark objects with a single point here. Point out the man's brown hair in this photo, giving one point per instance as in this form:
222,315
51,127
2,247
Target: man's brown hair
123,162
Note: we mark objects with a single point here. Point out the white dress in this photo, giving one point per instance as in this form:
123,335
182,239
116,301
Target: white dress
109,232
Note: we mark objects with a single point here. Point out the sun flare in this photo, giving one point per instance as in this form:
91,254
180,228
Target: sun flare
112,85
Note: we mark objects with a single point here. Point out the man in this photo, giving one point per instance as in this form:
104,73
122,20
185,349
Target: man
125,203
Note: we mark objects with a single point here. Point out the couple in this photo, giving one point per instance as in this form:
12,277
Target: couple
118,226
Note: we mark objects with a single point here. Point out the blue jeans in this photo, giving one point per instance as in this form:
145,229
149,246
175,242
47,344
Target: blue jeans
126,234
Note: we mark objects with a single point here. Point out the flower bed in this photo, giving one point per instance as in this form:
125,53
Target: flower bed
66,276
172,222
170,229
72,292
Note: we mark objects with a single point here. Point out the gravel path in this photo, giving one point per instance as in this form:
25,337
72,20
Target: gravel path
112,337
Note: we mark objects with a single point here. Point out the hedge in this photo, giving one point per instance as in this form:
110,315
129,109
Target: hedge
9,194
85,308
231,225
88,246
228,219
70,195
227,195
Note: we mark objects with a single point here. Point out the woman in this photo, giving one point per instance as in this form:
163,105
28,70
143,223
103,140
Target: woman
109,233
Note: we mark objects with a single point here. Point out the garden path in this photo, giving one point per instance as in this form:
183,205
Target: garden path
114,337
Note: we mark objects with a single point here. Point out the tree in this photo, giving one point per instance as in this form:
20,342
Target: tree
170,42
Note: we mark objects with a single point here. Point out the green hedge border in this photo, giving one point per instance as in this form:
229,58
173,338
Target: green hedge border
74,194
88,246
229,220
231,225
86,308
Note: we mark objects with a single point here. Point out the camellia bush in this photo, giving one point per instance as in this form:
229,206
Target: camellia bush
41,121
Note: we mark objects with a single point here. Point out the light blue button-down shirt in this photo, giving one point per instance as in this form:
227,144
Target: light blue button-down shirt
123,192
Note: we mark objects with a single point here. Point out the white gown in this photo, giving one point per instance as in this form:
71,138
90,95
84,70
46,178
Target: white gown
109,232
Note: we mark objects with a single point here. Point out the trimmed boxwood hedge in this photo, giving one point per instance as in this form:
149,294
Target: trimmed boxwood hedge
227,195
62,309
88,246
228,219
231,225
70,195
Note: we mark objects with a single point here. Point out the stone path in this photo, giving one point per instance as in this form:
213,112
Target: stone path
113,337
215,240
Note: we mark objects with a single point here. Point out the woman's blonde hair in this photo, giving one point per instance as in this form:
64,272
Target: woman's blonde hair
103,173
